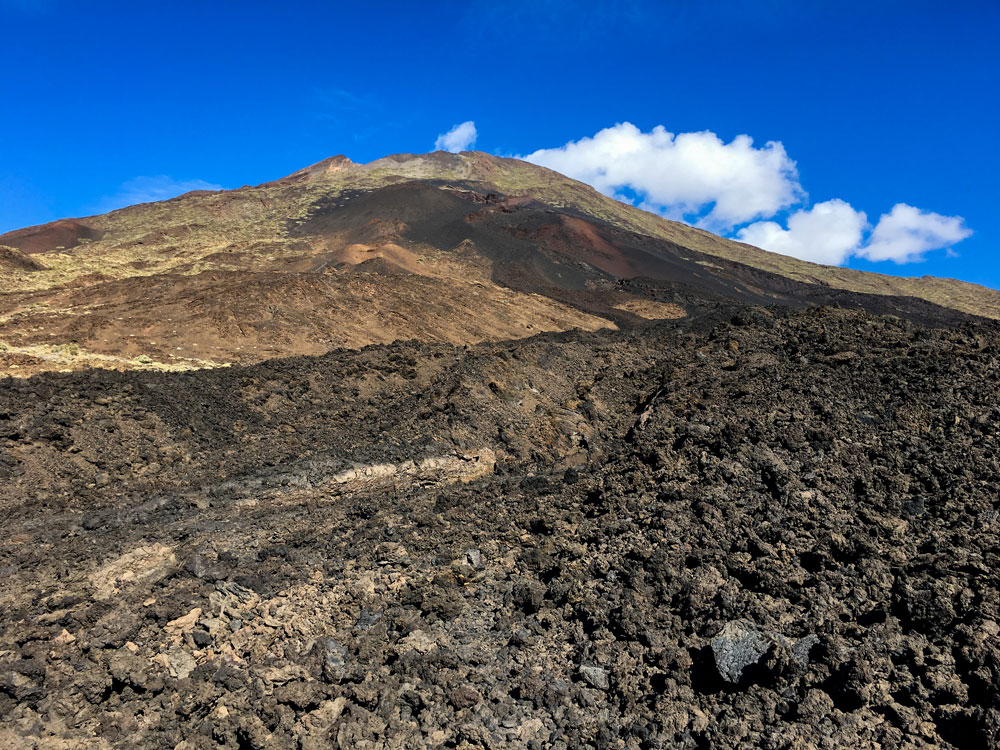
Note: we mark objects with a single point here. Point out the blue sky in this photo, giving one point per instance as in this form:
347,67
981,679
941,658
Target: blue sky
874,105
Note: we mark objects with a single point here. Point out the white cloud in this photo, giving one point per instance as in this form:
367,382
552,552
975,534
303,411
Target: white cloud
149,189
721,186
831,232
684,175
904,234
459,138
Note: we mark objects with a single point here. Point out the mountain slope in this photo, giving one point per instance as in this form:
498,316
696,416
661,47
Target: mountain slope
454,248
711,532
516,177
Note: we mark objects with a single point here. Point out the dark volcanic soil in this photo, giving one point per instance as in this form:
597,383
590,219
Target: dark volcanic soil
754,528
56,235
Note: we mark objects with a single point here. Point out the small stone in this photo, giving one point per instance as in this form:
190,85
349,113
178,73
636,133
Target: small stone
334,661
201,638
366,619
698,721
300,694
220,712
64,637
521,637
211,625
596,677
844,356
205,569
815,705
474,558
391,553
184,623
464,696
235,625
737,647
181,663
529,596
532,728
418,641
802,647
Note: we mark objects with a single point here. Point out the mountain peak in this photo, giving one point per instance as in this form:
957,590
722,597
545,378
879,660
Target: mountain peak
444,165
319,169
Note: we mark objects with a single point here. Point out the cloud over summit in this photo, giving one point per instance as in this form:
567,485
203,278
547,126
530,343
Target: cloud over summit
459,138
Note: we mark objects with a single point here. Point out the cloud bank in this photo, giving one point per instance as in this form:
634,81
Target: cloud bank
459,138
149,189
832,231
738,189
683,175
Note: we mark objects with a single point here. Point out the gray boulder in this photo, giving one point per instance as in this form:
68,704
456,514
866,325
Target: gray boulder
740,645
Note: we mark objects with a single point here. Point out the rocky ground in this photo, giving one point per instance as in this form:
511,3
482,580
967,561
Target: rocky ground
747,528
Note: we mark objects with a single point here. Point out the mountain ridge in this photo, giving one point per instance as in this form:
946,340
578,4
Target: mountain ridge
346,254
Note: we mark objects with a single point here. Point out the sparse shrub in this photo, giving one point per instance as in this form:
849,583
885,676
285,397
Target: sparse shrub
143,359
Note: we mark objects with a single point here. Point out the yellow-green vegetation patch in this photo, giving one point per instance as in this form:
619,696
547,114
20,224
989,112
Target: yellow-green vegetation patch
77,358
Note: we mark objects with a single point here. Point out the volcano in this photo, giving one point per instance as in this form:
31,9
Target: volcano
451,451
455,248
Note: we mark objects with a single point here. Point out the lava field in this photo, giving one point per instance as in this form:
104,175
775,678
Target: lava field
752,527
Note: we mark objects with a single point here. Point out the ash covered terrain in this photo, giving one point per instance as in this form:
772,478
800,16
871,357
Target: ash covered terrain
745,527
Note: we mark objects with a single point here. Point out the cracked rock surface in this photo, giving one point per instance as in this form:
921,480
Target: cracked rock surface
753,528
